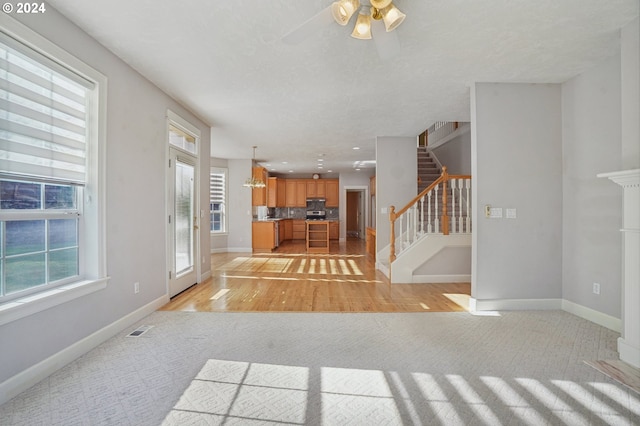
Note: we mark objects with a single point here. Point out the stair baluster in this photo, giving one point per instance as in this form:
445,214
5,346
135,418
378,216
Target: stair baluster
453,206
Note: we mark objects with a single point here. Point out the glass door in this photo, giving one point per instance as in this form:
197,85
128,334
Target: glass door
183,222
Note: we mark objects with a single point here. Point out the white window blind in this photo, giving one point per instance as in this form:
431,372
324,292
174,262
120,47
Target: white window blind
217,187
43,117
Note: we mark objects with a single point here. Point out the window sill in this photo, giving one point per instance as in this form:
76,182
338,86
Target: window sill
219,234
32,304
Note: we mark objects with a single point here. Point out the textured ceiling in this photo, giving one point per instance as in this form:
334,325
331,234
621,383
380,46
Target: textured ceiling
225,60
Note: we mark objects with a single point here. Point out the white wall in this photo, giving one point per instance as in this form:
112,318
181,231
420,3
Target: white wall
239,220
135,206
455,154
591,216
516,163
396,180
630,51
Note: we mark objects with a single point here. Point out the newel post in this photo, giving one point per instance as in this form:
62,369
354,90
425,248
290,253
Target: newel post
444,221
392,237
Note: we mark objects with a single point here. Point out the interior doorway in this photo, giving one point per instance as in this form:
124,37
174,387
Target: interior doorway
355,219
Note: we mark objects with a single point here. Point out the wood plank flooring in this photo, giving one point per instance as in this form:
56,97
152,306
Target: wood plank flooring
344,280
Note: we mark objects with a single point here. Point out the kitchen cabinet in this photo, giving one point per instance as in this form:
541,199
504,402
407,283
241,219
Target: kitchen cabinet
318,236
276,192
296,193
316,188
287,225
299,229
259,195
334,230
281,232
263,236
332,193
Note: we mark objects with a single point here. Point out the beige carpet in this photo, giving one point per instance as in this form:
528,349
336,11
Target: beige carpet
337,369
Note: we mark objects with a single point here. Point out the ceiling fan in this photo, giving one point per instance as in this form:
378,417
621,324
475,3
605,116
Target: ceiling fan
376,19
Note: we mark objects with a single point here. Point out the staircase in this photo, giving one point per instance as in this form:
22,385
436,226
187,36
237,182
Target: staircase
428,170
430,238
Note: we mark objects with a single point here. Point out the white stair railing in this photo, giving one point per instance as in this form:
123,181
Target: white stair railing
429,213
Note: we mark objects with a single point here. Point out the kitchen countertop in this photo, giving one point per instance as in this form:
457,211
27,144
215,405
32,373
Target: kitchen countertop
276,219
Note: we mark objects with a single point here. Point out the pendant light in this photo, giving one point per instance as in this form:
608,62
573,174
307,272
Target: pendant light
254,182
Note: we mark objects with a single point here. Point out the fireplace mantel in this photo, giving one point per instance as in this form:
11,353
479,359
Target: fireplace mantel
629,342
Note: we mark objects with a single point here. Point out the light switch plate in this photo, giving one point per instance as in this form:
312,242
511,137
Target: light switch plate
496,212
511,213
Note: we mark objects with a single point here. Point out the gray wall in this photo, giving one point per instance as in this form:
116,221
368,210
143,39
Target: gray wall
135,205
630,50
591,216
516,163
455,154
240,217
396,180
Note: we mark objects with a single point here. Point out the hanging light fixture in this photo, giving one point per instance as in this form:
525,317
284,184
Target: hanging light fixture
254,182
343,10
362,29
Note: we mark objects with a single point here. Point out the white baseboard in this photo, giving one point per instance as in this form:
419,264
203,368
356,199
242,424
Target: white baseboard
219,250
629,353
426,279
34,374
514,304
612,323
238,250
589,314
205,276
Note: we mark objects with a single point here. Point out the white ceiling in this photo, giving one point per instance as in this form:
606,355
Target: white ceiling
225,61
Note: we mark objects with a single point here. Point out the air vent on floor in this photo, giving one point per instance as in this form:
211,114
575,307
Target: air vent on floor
140,331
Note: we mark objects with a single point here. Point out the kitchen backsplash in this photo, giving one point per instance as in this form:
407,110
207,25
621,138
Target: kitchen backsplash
301,213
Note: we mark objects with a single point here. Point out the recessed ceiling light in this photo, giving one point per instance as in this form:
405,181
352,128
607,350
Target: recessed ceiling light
320,167
320,159
357,170
329,171
290,171
356,147
284,162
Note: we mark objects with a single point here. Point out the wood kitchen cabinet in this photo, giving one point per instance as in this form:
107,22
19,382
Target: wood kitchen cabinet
259,195
296,193
263,236
316,188
287,225
332,193
334,230
318,236
276,192
299,229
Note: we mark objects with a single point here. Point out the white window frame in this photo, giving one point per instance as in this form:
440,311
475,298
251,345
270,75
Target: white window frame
92,224
225,172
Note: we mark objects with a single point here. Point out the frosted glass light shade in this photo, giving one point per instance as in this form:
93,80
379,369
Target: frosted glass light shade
392,17
343,10
362,29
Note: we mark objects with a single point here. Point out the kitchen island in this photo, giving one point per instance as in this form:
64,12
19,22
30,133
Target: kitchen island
317,236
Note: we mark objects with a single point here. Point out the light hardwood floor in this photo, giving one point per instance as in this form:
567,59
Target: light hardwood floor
344,280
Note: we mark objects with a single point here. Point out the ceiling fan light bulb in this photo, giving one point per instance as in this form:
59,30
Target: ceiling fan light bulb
392,17
362,29
343,10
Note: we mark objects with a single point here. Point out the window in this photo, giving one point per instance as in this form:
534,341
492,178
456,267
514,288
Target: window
51,196
218,200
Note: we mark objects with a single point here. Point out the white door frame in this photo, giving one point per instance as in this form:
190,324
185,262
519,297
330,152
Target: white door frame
172,152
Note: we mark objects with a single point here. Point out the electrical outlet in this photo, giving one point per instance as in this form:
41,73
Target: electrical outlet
136,288
596,288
